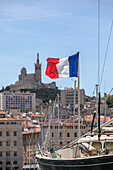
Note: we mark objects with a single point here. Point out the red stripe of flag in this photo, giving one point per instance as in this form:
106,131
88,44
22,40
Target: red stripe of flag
51,69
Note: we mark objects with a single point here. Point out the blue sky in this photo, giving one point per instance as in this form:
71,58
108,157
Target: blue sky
56,28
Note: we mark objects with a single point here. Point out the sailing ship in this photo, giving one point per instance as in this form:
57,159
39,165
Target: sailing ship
85,153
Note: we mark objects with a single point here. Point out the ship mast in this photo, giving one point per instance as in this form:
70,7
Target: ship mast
99,69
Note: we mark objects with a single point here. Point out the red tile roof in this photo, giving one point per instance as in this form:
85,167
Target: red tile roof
2,113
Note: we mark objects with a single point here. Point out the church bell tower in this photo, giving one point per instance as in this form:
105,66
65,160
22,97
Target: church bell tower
38,70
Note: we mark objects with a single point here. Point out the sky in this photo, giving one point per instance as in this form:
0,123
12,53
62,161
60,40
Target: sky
56,28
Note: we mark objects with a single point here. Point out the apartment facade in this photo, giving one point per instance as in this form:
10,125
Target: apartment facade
67,97
66,135
23,101
10,143
30,145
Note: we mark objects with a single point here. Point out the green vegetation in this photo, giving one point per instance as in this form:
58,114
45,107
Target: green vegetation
87,98
44,94
109,101
2,90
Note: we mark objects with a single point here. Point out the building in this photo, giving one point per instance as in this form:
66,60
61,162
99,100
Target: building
66,134
23,101
30,145
67,97
10,143
31,81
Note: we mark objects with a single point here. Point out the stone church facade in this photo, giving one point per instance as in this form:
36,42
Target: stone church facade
31,81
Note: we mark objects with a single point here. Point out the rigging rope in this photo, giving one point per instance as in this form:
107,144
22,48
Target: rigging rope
106,53
104,150
33,156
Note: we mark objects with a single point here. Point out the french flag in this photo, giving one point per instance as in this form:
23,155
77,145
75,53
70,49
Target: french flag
64,67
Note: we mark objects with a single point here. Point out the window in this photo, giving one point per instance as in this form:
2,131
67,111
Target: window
2,123
0,143
15,143
60,143
7,153
15,153
34,136
0,153
75,134
60,134
1,163
68,134
15,162
97,145
7,143
8,163
15,133
52,134
2,116
7,134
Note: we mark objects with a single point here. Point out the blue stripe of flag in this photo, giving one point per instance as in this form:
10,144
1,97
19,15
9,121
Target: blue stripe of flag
73,65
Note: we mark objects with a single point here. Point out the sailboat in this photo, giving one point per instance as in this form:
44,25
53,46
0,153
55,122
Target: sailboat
85,153
93,150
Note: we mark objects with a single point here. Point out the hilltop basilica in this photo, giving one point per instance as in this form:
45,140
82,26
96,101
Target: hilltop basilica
31,81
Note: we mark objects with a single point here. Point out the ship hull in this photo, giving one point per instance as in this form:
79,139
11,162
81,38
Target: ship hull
103,162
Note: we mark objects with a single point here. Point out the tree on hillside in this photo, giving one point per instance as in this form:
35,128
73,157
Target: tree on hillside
109,101
2,90
44,94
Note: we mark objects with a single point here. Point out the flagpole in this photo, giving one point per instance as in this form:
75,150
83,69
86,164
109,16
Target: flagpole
58,123
54,123
74,110
78,96
49,124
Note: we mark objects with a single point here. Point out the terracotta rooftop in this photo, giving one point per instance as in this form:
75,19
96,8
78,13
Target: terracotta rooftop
2,113
88,118
10,119
87,102
66,124
37,115
71,124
